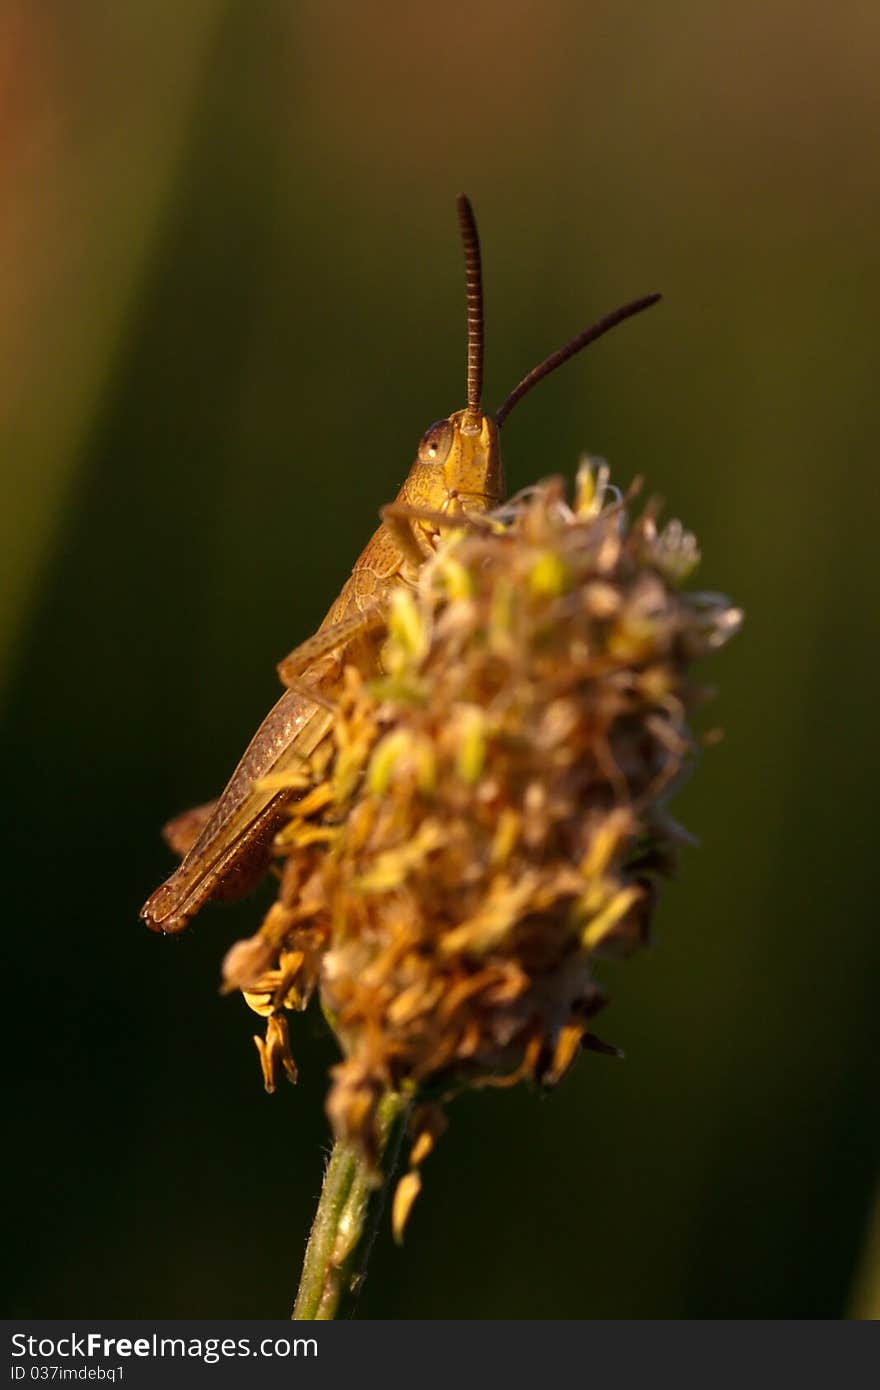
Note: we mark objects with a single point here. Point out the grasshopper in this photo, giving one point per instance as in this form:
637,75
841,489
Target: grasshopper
226,845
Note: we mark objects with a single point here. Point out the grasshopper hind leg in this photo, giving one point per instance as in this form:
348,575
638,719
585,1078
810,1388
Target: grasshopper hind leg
181,833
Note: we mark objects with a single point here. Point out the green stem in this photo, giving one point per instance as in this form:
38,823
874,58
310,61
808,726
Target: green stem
351,1203
865,1300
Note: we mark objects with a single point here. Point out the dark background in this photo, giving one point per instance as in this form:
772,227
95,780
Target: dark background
231,302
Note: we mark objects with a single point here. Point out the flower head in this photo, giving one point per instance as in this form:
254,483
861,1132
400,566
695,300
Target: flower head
489,816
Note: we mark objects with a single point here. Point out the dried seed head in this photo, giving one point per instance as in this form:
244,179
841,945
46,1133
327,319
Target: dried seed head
491,819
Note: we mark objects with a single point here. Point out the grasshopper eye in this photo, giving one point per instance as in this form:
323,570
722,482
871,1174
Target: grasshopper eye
436,442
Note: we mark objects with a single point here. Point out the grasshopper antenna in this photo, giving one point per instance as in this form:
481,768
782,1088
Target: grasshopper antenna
557,358
473,270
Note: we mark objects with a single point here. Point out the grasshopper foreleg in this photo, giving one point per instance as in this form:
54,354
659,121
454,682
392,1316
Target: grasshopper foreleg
410,539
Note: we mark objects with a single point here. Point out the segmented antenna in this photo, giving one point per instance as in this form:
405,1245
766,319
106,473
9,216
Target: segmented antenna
474,284
557,358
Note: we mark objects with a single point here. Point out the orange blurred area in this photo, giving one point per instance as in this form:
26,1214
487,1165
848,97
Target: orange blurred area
231,300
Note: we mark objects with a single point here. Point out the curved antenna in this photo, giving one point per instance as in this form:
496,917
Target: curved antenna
474,285
557,358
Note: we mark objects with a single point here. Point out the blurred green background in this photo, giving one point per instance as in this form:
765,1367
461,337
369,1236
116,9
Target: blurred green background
232,301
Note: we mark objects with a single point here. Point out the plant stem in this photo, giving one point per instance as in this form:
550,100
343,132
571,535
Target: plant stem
351,1203
865,1300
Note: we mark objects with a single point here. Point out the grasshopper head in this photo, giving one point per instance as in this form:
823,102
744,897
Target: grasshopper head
459,460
